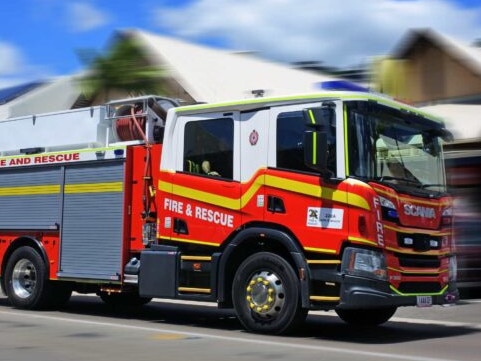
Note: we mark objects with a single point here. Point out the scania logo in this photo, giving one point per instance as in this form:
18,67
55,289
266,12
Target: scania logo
419,211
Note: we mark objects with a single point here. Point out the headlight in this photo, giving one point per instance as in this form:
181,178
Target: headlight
386,203
364,263
389,211
447,217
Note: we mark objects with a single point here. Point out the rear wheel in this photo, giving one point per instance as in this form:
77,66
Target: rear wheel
266,294
26,279
366,317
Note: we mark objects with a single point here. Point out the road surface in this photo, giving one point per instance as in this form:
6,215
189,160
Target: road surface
88,329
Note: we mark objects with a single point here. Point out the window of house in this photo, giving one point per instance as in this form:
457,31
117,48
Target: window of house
208,147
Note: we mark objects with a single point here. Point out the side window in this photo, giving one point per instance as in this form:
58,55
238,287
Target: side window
290,137
208,147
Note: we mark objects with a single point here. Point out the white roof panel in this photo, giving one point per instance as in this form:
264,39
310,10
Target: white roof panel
212,75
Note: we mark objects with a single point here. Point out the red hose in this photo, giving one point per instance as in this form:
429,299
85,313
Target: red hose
131,127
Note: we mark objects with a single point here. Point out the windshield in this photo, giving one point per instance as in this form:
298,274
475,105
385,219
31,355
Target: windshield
395,147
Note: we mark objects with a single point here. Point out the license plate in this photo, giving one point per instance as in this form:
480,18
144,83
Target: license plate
424,301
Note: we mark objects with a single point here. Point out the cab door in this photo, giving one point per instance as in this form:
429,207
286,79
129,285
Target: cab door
300,198
202,203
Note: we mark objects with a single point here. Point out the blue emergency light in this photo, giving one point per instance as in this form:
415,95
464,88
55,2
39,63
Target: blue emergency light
342,85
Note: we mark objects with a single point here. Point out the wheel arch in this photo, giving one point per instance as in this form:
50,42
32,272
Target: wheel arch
24,241
253,240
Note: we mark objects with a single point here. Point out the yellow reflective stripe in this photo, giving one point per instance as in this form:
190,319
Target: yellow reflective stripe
430,232
94,187
271,181
447,202
325,298
394,289
314,138
249,193
317,191
55,189
194,290
212,198
427,253
29,190
323,261
418,271
346,148
362,240
190,241
320,250
344,96
196,258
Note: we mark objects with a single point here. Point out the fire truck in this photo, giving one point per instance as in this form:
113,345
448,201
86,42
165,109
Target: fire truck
270,206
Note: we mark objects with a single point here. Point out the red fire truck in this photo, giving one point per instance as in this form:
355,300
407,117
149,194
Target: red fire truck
271,206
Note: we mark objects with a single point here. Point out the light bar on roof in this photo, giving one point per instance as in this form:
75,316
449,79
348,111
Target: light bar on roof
342,85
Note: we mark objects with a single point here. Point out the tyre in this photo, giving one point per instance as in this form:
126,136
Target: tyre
366,317
124,299
26,279
266,295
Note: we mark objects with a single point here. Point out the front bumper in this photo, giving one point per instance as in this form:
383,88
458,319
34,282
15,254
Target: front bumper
358,292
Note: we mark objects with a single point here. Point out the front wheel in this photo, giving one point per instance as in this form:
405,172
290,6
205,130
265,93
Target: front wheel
366,317
266,294
26,279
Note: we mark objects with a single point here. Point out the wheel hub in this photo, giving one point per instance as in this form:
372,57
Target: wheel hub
24,278
265,294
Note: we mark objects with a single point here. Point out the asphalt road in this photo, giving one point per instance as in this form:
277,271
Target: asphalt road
88,329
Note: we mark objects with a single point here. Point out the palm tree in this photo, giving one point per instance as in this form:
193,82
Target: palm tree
123,68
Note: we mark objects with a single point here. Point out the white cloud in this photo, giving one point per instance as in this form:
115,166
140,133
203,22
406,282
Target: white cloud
339,33
11,65
11,60
15,69
83,17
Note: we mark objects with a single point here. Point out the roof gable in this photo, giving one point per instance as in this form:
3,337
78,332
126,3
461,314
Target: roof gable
212,75
469,56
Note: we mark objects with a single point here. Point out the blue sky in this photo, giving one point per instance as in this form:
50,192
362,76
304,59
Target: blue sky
40,38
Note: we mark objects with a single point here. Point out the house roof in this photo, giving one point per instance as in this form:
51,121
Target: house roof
54,95
211,75
206,74
467,54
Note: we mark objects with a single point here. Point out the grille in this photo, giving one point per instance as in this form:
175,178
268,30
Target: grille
418,261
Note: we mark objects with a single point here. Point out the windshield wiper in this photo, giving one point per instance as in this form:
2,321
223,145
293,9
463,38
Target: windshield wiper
432,185
390,178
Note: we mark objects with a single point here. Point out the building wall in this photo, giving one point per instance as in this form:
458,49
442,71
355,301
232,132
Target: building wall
433,75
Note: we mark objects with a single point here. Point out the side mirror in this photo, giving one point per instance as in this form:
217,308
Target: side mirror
320,118
315,150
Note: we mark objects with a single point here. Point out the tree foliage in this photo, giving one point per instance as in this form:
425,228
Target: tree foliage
124,68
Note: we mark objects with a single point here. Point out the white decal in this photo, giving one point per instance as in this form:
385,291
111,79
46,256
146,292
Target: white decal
419,211
379,225
325,217
62,157
215,217
260,200
204,214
